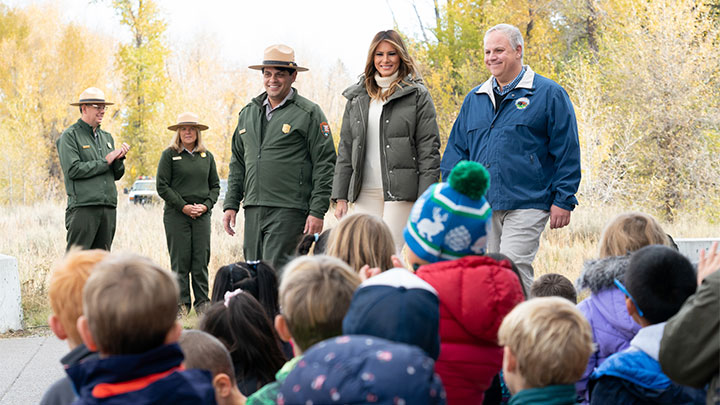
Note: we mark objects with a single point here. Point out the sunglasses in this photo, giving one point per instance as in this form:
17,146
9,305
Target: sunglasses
100,107
624,290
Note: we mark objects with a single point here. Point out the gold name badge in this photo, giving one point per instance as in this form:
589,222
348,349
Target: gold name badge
202,154
86,146
177,157
242,131
286,128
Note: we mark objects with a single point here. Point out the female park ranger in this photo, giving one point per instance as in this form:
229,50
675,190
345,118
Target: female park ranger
187,180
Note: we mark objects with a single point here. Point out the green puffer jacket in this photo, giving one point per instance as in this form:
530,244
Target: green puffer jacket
286,162
409,143
89,180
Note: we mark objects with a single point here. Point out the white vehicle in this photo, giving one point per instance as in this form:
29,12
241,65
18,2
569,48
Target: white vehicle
143,191
223,189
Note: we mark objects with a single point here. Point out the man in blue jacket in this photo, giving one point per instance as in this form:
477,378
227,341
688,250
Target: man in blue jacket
522,128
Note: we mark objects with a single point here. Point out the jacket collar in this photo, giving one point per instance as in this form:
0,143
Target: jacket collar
648,340
550,395
113,369
358,89
526,82
259,100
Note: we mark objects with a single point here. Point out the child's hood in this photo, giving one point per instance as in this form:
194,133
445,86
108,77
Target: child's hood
476,291
599,274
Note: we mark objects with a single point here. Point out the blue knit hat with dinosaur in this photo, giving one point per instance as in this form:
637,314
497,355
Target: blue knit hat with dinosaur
451,220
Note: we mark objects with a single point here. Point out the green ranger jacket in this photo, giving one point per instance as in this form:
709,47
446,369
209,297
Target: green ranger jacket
286,162
183,179
89,180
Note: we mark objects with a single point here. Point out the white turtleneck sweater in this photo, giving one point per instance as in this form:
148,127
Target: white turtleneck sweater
372,175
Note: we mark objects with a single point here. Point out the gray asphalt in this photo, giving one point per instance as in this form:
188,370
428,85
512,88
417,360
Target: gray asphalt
28,366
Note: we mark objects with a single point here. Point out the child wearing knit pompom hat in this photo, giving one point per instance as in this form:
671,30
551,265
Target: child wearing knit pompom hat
446,234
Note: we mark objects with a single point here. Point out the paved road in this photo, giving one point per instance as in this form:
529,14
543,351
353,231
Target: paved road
28,366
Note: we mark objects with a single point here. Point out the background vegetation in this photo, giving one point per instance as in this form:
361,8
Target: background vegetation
643,77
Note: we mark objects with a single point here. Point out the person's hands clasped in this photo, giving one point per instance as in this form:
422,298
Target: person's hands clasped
194,210
118,153
709,263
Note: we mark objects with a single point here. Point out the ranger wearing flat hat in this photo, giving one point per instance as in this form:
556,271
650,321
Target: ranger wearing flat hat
187,180
91,164
282,164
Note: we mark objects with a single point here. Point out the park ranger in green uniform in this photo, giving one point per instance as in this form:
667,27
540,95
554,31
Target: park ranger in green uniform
90,165
187,180
282,164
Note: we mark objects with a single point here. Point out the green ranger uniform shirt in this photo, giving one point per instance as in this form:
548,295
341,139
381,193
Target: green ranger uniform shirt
286,162
89,180
183,179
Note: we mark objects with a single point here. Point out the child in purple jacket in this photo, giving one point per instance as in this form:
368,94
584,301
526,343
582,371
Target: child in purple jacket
605,309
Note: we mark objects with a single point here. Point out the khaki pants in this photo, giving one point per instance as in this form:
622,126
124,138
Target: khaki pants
394,213
516,234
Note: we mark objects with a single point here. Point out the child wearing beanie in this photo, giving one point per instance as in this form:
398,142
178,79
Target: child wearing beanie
446,234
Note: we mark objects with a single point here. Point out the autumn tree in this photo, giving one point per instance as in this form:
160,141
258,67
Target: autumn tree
142,65
45,66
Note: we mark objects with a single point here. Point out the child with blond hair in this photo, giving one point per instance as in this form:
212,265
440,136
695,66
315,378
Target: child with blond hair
546,343
362,241
315,293
130,319
65,293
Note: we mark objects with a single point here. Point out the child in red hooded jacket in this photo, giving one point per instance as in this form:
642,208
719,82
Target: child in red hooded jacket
446,235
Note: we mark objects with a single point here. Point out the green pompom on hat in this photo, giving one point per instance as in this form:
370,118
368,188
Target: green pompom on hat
470,178
451,220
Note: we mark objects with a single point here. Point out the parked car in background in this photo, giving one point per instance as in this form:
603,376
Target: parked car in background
223,189
143,191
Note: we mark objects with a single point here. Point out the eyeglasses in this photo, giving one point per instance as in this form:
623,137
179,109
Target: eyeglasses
100,107
624,290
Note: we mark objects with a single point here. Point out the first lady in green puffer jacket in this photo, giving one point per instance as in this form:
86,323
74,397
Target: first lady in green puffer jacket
388,153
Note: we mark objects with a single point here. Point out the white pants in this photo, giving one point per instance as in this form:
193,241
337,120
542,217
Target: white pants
394,213
516,234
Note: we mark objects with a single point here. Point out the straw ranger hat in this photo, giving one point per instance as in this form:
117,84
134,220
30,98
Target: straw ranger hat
188,119
92,95
279,56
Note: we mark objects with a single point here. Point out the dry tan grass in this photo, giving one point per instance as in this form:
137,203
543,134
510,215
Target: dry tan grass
35,235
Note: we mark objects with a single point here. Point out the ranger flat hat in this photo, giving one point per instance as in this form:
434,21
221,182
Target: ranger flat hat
188,119
279,56
92,95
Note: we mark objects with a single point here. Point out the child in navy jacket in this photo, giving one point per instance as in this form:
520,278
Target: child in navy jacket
130,310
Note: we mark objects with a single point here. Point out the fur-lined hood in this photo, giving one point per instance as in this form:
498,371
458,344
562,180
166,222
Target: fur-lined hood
598,274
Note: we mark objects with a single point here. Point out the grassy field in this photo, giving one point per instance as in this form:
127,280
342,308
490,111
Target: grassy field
35,235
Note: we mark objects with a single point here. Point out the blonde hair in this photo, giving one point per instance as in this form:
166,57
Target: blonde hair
361,239
130,304
177,145
550,339
66,287
407,65
315,294
629,232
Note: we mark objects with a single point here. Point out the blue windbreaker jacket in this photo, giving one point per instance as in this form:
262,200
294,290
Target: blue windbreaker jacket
529,145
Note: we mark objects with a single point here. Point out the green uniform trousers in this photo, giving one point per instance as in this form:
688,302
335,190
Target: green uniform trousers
272,234
188,242
90,227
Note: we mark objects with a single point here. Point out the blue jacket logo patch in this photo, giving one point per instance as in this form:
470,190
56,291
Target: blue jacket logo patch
521,103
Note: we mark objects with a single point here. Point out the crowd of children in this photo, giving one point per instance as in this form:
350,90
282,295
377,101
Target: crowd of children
349,323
